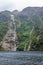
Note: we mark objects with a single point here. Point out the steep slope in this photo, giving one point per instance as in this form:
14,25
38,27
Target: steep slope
9,41
4,21
29,27
26,19
8,36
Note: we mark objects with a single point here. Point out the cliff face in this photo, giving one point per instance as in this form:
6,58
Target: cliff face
10,40
27,19
27,26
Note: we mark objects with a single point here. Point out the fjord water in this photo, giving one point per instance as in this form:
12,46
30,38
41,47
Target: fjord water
21,58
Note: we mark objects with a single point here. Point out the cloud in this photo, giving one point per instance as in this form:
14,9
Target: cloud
7,5
19,4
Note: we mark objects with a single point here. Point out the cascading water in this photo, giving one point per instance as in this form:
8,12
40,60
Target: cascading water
9,41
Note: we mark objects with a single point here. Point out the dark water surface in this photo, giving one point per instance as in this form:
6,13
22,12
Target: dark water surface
21,58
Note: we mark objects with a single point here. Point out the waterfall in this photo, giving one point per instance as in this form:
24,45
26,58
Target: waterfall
9,41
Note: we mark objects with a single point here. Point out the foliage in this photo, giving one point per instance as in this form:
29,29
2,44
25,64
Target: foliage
25,24
3,29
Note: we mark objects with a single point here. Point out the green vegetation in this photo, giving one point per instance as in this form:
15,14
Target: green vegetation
25,31
29,24
21,47
3,30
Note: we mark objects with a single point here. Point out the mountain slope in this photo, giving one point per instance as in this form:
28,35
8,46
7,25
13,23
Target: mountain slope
26,19
29,27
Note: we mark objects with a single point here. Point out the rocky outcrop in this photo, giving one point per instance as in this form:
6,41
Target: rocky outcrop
9,42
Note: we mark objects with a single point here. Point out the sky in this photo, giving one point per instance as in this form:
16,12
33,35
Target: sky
19,4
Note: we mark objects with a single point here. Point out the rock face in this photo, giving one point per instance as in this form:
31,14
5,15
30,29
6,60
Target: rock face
10,39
